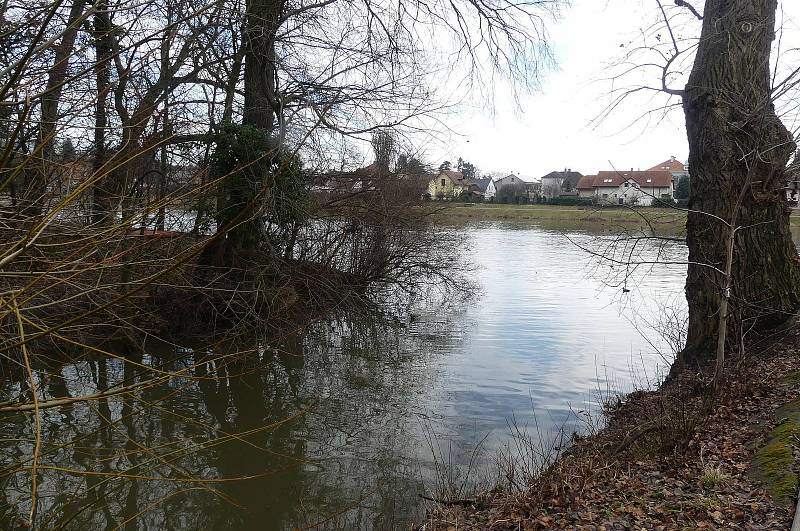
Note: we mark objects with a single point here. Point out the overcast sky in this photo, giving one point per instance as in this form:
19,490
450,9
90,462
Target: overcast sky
553,129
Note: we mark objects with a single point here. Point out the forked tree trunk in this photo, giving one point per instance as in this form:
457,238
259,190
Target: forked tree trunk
737,147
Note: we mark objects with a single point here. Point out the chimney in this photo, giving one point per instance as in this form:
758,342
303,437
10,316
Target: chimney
672,158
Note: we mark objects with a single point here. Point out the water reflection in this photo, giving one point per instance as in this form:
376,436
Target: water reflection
317,425
330,426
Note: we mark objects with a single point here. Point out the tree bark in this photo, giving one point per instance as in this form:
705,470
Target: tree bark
260,69
738,149
102,195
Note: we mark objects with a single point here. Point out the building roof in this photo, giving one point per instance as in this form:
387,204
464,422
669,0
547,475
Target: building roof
647,179
672,164
517,177
482,184
586,182
568,177
455,176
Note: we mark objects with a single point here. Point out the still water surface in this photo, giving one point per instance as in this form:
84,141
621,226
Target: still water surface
334,427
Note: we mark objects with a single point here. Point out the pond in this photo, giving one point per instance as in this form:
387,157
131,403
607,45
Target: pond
345,423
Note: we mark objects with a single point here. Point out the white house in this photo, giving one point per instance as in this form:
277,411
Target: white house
793,187
641,188
486,187
534,190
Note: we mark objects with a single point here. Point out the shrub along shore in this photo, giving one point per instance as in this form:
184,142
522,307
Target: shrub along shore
669,458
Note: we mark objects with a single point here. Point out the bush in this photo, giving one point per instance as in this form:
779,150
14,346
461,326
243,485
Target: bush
570,201
664,203
246,163
238,163
683,187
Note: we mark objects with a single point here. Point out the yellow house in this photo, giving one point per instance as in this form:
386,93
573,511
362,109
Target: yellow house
447,185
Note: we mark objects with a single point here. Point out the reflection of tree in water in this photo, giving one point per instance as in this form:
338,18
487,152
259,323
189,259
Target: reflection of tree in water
344,456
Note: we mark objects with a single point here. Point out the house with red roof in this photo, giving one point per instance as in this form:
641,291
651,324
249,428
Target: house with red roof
448,184
585,186
642,188
677,168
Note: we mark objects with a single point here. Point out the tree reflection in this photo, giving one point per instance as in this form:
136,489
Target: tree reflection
309,429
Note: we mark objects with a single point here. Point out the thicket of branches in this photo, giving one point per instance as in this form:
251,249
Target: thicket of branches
194,166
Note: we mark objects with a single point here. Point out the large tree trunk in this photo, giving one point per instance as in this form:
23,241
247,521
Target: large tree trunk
36,188
260,78
738,152
245,236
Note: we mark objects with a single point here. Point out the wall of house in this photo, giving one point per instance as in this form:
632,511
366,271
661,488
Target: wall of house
630,195
506,181
641,196
653,194
551,187
607,194
633,195
793,191
491,191
447,190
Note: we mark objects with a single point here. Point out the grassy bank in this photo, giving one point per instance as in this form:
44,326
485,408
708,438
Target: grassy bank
669,459
456,212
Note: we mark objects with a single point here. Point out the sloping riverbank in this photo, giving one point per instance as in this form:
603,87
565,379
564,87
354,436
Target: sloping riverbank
661,464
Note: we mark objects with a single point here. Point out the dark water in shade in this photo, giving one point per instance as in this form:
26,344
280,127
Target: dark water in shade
333,426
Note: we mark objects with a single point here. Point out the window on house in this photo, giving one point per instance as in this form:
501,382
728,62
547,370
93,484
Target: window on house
605,195
627,185
442,182
649,180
